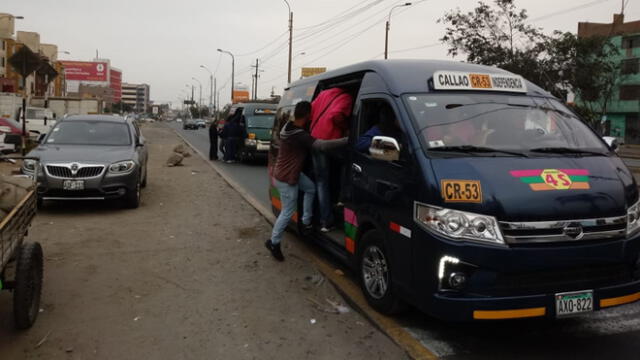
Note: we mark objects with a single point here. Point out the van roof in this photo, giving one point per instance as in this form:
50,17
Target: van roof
411,76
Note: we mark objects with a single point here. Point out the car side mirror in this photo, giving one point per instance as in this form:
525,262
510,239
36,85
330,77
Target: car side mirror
384,148
612,142
140,141
41,138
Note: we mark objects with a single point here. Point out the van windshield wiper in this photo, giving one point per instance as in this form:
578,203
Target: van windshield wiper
475,149
566,150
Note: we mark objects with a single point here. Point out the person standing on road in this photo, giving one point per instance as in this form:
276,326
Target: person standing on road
213,139
295,144
232,133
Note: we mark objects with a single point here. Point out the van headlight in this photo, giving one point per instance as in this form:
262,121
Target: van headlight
122,167
250,142
633,219
459,225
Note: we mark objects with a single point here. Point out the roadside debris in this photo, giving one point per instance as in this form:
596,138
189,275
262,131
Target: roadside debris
182,150
315,279
43,340
175,159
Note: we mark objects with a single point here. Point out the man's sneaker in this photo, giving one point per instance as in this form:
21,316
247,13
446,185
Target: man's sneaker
326,227
307,229
275,250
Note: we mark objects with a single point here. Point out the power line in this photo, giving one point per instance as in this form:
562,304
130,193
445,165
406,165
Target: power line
265,46
562,12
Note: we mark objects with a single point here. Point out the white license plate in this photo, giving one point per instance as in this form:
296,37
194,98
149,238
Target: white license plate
576,302
73,185
262,147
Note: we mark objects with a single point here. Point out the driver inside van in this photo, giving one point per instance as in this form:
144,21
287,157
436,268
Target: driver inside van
385,126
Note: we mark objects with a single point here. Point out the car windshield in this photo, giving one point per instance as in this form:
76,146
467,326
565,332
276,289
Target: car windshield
260,121
502,122
90,133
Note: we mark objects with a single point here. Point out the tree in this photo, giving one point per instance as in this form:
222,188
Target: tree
560,63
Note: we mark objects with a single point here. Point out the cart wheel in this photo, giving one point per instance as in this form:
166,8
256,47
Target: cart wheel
28,285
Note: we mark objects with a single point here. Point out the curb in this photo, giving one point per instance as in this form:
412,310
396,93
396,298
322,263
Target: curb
346,287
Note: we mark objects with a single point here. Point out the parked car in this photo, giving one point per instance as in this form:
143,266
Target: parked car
91,157
9,127
189,124
201,123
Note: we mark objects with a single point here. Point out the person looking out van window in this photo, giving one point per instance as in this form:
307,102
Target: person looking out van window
386,126
330,112
295,143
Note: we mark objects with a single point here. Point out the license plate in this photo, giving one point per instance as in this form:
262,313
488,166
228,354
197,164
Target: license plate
571,303
262,147
73,185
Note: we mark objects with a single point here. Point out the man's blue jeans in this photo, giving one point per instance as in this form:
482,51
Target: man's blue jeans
289,200
321,171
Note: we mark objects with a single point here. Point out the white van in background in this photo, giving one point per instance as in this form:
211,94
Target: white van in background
39,121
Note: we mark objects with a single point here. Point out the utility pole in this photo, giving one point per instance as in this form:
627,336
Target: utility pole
254,87
290,39
215,95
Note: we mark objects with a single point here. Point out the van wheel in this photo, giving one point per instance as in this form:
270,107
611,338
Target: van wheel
375,275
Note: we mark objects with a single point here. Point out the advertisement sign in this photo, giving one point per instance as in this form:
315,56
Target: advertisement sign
115,83
85,70
310,71
240,95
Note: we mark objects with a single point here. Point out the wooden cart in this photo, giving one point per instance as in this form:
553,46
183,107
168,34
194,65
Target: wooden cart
21,262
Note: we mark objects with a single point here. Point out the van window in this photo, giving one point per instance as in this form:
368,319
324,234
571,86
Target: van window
517,123
294,95
376,118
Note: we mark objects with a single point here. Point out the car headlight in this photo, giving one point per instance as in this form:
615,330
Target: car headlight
459,225
633,219
250,142
29,165
122,167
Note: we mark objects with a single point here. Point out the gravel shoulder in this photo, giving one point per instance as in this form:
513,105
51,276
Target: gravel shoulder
185,276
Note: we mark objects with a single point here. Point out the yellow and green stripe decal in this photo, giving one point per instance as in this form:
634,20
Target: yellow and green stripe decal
554,179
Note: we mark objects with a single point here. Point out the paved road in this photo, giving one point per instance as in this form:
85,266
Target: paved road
612,334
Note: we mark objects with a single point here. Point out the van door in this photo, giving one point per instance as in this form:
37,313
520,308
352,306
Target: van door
383,190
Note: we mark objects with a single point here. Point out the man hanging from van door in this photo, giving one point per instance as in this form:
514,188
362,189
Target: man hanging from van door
329,114
295,143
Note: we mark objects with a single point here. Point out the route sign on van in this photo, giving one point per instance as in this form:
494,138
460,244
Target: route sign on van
456,80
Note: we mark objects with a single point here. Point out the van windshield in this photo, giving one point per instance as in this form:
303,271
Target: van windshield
260,121
488,121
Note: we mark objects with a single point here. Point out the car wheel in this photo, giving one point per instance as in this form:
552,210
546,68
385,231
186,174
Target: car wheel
375,275
132,198
28,285
144,179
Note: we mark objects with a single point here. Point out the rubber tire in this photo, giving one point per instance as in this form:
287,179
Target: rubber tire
144,179
390,303
132,198
28,285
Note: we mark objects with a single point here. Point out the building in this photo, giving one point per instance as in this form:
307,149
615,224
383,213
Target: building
46,80
137,96
623,113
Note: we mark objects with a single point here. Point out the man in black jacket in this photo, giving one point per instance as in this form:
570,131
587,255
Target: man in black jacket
295,144
213,139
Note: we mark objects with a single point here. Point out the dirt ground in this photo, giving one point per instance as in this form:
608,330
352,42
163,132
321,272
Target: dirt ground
185,276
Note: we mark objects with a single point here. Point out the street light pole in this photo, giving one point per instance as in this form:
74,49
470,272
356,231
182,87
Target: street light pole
388,25
233,70
210,85
290,39
199,98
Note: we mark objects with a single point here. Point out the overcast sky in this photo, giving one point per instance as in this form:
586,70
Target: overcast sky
164,42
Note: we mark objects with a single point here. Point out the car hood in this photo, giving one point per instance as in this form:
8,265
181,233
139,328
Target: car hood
82,153
520,189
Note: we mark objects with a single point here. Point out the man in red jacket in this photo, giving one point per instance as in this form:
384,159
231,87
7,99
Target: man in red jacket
330,112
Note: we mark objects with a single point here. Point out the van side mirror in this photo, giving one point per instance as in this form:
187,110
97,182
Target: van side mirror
384,148
612,142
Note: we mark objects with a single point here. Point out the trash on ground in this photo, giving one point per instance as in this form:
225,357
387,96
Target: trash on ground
43,340
339,272
312,321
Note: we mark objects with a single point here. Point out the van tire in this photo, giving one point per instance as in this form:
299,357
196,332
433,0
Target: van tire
374,271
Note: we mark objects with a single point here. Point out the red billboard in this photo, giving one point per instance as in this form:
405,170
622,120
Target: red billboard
85,70
115,83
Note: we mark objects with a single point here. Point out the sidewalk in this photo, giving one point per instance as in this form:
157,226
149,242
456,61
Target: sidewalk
185,276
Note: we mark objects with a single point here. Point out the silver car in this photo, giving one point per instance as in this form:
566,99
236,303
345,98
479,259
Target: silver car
91,157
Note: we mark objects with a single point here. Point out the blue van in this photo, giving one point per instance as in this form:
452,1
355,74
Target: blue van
481,197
